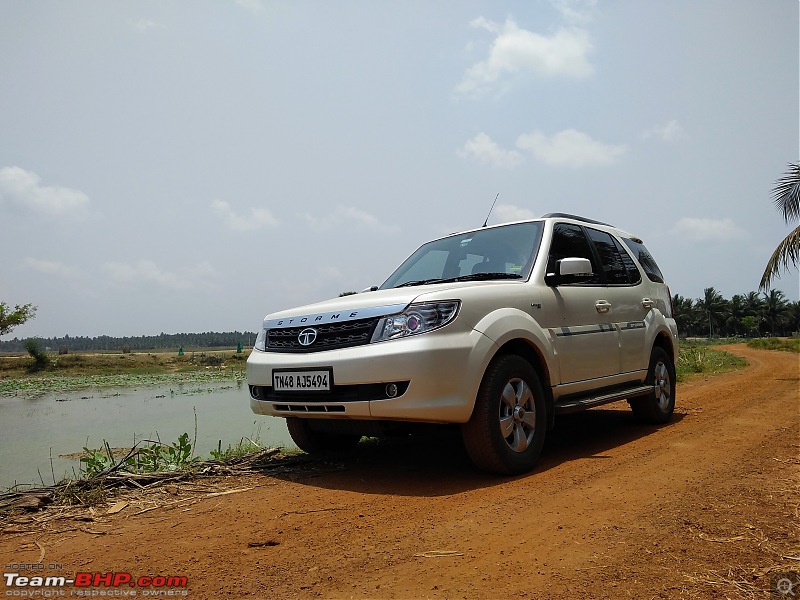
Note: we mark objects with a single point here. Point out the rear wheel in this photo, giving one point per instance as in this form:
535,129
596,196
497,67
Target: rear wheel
318,442
657,406
506,431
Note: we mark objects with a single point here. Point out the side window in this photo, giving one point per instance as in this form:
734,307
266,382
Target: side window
645,259
614,268
570,242
630,265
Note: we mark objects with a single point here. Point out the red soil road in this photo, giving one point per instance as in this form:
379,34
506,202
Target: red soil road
704,507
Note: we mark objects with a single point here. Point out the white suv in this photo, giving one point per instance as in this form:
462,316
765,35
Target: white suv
497,329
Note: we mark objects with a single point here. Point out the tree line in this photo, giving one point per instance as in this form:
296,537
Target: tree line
209,339
752,314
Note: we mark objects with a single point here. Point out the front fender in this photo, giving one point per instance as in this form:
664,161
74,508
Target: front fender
507,324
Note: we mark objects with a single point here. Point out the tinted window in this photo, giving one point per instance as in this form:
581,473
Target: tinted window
630,266
614,268
645,259
570,242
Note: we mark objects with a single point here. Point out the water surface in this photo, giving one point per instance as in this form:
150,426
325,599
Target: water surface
56,424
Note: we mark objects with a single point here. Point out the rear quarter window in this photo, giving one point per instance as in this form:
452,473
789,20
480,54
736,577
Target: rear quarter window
645,259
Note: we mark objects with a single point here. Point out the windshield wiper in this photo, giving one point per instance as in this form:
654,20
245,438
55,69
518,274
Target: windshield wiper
481,276
422,282
472,277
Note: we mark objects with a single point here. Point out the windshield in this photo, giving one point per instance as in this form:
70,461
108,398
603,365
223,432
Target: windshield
505,252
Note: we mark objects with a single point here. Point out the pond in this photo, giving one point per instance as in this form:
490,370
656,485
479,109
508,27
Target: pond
37,433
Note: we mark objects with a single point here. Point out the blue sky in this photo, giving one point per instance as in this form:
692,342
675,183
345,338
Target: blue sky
192,166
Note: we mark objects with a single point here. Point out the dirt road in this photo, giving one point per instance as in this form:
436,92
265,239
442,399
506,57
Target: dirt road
704,507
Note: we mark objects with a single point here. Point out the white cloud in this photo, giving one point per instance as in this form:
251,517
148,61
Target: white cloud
668,132
709,230
570,148
144,25
50,267
254,6
24,189
347,215
514,50
484,23
146,271
510,212
577,12
485,150
258,217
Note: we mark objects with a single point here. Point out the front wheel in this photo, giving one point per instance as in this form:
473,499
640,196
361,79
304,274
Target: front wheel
317,442
657,406
506,432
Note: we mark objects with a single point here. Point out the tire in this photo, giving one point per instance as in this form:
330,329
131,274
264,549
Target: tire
658,406
506,431
319,442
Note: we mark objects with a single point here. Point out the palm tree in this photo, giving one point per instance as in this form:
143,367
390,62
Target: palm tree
714,306
794,316
786,196
776,309
737,310
686,315
754,309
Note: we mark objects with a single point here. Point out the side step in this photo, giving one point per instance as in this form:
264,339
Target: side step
578,404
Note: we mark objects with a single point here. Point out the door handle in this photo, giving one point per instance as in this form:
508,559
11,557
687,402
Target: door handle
602,306
647,303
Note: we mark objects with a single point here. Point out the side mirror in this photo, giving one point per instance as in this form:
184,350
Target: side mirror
570,270
372,288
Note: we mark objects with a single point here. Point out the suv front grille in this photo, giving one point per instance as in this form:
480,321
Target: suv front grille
329,336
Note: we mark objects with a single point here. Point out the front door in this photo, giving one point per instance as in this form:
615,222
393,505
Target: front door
578,315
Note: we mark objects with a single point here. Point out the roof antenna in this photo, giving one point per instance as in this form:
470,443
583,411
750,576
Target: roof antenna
491,209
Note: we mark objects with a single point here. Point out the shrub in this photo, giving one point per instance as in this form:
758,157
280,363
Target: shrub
213,360
40,359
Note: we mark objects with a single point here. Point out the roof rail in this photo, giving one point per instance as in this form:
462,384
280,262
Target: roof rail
575,217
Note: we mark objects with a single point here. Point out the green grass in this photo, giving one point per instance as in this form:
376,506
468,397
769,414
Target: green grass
784,344
244,447
696,360
71,372
34,386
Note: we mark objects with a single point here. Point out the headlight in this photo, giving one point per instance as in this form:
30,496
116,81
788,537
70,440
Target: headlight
261,341
417,318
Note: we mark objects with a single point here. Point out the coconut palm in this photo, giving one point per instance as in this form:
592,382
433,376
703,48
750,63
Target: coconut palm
794,316
686,315
786,195
754,308
737,310
714,306
776,309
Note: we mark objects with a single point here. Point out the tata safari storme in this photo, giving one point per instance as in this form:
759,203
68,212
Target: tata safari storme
497,330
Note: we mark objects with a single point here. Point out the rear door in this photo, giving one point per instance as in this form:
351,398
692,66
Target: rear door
626,310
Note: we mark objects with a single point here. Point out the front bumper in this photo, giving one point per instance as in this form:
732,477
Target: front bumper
440,372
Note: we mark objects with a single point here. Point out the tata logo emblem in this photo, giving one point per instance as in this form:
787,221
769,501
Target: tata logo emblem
307,337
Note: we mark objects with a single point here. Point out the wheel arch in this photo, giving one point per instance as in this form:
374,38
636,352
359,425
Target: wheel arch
514,331
534,356
664,341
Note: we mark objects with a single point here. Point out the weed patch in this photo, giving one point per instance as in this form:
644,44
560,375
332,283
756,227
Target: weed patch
707,360
784,344
245,447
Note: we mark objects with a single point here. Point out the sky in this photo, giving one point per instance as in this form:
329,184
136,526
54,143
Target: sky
194,165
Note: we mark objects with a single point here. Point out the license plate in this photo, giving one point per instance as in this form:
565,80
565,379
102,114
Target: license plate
302,381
